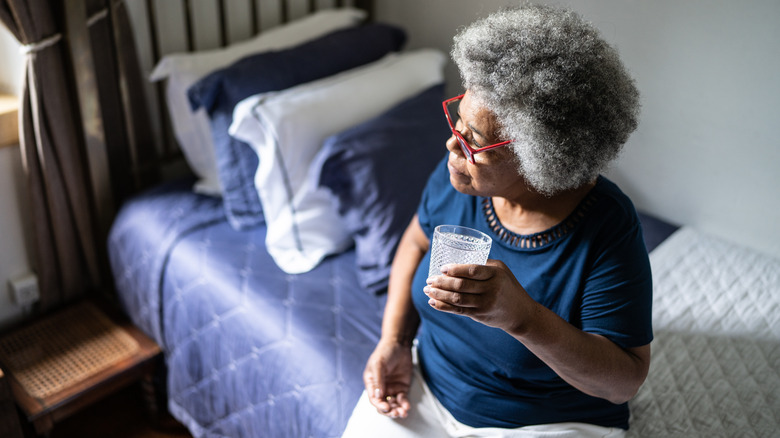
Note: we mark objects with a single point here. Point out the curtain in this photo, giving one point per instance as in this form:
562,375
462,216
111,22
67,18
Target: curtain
65,249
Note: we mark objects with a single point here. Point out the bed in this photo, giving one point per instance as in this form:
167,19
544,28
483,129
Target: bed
261,272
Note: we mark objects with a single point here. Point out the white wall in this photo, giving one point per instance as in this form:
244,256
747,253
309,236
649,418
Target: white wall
14,212
707,152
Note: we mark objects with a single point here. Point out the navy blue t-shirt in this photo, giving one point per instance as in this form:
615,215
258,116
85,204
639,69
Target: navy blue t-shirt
592,270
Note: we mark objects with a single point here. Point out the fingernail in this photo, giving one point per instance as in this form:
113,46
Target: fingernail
429,280
444,269
432,302
377,393
427,290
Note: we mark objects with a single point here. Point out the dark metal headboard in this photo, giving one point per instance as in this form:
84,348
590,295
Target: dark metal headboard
127,133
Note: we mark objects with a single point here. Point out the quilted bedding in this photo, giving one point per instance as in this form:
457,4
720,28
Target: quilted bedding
715,370
251,351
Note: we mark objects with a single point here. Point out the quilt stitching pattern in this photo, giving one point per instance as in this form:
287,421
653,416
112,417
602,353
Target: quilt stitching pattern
715,370
281,318
137,267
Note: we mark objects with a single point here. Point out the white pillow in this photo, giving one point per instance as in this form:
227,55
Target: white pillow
182,70
287,128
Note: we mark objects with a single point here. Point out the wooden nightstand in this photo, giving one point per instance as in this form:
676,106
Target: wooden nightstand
62,363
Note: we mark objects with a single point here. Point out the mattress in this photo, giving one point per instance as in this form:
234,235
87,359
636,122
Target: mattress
715,370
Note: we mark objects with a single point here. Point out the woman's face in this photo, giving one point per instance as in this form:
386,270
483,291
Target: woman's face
494,172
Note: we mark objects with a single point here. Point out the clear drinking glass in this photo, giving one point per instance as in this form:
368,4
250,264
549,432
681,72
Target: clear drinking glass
457,244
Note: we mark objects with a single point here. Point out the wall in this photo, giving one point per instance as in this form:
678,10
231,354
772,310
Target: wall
706,153
14,212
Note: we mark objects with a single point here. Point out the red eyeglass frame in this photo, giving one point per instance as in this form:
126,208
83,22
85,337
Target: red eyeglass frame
468,151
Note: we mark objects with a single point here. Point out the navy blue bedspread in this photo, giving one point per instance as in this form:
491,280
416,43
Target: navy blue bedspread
251,351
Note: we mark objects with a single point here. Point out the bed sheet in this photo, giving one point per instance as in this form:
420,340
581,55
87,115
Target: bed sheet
715,370
251,351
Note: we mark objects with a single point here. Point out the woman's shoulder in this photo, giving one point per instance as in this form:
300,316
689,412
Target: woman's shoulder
614,235
612,201
612,214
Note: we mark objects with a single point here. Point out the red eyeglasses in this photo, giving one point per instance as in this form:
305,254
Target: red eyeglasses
468,151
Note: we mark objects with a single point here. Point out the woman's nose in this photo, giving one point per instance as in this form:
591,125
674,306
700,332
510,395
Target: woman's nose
453,145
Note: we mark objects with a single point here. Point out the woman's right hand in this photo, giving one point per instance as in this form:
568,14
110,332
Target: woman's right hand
388,372
388,376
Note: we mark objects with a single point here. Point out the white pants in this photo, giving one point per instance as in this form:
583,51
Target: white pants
429,419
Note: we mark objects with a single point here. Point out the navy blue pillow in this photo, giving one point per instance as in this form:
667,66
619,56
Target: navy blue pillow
377,172
220,91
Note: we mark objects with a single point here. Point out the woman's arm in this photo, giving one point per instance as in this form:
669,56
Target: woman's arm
492,295
401,320
589,362
388,373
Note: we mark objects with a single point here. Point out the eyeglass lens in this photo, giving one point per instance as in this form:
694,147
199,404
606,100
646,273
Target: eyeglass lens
452,109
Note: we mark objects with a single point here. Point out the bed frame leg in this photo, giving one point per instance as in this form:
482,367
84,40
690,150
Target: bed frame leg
154,391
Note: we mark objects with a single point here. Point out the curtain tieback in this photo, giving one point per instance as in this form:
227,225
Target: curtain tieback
40,45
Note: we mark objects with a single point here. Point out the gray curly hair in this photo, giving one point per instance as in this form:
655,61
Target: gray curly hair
558,91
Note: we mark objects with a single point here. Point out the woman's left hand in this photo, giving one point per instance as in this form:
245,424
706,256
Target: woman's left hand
487,293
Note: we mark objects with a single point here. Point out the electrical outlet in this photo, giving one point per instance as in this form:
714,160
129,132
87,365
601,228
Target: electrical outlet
25,290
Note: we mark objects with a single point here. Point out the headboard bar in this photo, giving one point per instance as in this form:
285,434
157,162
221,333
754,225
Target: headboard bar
366,5
154,47
188,25
255,17
285,12
223,38
135,104
151,19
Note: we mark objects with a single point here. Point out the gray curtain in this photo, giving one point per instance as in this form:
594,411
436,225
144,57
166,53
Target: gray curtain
66,248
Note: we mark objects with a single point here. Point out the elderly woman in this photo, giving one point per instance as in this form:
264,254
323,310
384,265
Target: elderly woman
552,336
